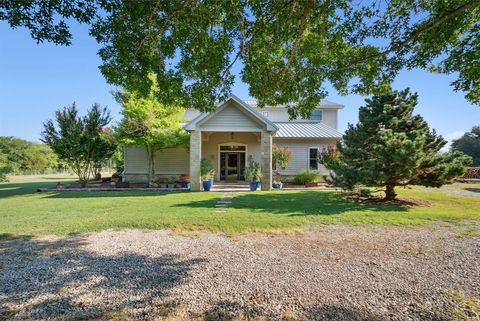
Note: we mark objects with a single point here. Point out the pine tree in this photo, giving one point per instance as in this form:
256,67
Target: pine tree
390,146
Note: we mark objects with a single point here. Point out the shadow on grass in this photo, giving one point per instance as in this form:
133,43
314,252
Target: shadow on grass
54,278
473,189
297,203
10,189
23,188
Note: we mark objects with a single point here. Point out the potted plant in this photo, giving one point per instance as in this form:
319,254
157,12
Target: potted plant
185,181
207,173
281,157
253,173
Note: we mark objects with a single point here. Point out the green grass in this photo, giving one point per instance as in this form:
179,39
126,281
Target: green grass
25,212
475,187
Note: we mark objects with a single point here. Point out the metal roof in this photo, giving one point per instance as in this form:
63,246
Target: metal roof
323,104
305,130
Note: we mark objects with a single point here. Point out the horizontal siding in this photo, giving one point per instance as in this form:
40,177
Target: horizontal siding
230,118
136,161
167,161
299,161
172,161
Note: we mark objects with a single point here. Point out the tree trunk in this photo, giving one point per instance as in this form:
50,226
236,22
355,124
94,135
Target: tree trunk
151,163
390,192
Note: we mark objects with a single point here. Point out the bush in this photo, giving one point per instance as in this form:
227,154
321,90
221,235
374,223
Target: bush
253,172
206,169
306,177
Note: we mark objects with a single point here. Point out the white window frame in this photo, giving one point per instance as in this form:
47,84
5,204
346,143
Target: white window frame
309,158
321,115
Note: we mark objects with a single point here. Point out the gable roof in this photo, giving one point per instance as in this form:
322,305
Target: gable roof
305,130
191,125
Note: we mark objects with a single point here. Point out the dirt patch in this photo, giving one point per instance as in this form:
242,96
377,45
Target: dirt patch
408,202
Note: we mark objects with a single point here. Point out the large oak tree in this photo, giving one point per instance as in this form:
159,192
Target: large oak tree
289,49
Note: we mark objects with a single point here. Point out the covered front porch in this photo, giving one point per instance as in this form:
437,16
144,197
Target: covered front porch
229,136
230,152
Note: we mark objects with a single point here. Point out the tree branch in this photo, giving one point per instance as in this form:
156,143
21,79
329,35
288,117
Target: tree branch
416,33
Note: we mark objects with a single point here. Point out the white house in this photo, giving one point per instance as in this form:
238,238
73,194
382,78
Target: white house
233,132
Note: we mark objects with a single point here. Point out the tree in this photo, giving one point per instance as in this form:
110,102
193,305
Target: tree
469,144
289,50
24,157
281,157
391,147
147,122
5,168
81,142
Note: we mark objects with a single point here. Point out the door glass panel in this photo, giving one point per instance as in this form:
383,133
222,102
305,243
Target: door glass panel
222,166
241,166
232,166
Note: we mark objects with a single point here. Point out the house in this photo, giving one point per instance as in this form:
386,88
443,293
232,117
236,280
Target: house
232,133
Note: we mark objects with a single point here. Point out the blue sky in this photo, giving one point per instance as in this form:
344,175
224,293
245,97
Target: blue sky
37,79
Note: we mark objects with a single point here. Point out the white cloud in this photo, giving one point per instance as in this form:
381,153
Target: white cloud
451,137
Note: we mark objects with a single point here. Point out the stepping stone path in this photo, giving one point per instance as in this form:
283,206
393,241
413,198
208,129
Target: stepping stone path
223,203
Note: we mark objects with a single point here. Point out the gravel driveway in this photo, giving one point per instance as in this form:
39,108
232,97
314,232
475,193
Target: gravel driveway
335,273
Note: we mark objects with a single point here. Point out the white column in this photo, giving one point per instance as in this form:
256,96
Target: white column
195,156
266,161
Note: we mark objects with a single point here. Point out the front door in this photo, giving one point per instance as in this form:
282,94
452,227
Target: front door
232,166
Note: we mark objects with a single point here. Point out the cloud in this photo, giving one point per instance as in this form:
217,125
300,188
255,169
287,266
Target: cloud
451,137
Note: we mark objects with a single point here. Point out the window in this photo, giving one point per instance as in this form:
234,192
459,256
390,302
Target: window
313,157
233,148
316,115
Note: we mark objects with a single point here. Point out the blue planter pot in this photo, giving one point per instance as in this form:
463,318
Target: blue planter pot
254,186
277,185
207,185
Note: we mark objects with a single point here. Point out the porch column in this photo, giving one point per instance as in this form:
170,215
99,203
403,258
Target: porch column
266,161
195,156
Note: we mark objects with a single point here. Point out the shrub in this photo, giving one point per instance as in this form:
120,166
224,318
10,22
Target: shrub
253,173
306,177
206,169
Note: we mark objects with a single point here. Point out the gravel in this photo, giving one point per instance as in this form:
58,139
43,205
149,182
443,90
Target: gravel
331,273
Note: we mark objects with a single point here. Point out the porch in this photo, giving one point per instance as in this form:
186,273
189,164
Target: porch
229,136
230,153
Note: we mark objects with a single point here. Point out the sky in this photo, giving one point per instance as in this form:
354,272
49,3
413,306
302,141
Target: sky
37,79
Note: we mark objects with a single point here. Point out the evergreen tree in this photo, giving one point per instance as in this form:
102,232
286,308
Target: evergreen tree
390,146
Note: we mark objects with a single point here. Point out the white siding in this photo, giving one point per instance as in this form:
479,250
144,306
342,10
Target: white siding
274,114
330,118
230,118
300,150
172,161
136,161
280,114
167,161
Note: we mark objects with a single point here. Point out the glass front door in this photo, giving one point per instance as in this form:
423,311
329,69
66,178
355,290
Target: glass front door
232,166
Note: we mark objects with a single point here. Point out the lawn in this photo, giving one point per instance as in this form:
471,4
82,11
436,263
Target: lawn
25,212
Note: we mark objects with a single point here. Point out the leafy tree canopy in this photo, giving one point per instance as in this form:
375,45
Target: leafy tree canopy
23,157
469,143
289,49
82,142
390,146
149,123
